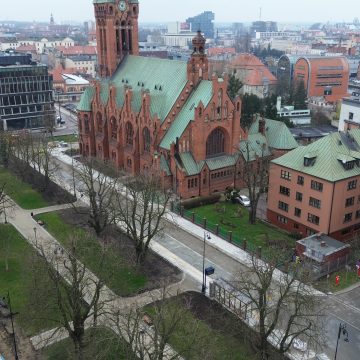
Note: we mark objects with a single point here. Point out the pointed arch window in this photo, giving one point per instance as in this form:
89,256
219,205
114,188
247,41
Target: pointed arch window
129,134
215,144
146,139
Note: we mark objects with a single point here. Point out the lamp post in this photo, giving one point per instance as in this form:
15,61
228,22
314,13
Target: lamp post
72,167
344,332
203,288
35,229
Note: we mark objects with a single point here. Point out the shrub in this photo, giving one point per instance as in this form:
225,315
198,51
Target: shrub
200,201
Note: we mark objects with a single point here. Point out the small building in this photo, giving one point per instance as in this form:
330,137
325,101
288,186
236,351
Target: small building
297,117
255,76
349,115
322,254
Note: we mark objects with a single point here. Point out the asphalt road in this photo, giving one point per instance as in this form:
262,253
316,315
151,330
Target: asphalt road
343,308
70,125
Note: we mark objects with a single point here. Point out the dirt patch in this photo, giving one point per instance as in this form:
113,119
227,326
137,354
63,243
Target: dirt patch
221,320
52,193
24,347
157,270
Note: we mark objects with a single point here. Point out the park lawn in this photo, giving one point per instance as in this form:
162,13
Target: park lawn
347,278
18,280
22,193
71,138
106,347
254,234
124,280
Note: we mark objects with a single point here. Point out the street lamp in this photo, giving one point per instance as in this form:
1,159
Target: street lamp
35,229
344,332
203,288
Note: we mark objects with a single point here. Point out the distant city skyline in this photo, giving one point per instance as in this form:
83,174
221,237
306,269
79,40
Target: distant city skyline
174,10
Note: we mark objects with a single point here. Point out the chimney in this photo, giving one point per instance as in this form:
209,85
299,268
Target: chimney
262,126
323,244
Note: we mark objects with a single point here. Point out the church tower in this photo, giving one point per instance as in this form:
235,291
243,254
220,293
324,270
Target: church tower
198,65
116,32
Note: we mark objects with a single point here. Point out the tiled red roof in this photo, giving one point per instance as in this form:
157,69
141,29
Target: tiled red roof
57,73
220,51
26,48
257,72
77,50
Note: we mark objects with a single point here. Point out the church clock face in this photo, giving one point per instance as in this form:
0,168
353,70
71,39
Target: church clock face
122,5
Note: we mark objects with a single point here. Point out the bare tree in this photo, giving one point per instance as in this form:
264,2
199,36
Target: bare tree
149,330
255,173
142,210
77,294
5,202
41,159
287,308
49,119
5,145
100,190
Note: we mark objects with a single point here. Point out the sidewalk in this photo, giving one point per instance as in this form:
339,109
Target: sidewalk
41,239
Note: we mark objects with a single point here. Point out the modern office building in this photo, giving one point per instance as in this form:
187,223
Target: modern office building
316,188
25,93
205,22
323,76
263,26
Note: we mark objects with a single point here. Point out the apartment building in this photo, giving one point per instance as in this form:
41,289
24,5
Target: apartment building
316,188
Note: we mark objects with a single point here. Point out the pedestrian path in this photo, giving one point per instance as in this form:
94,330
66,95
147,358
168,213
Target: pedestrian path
44,242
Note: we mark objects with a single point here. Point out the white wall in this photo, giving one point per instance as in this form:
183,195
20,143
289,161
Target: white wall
346,109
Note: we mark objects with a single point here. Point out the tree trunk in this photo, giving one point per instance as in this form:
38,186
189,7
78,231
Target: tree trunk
252,215
79,350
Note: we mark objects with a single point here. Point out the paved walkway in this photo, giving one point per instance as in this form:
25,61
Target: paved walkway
41,240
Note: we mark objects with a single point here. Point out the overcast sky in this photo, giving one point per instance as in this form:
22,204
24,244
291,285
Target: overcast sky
170,10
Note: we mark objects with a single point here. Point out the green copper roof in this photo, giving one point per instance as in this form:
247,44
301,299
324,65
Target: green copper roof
202,93
192,168
333,152
221,162
257,146
164,165
189,164
277,133
86,99
164,79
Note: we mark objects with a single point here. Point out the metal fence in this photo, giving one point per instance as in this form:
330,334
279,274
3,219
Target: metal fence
222,232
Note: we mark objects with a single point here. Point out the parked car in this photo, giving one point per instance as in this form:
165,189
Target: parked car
243,200
60,120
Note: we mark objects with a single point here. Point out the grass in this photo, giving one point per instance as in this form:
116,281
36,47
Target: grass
71,138
22,193
220,342
18,280
347,278
255,235
105,347
123,280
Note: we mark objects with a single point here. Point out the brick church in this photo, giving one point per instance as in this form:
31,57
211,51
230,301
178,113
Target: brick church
165,116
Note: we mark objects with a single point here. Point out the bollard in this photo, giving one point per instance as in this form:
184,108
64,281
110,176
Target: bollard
245,244
193,217
230,236
259,252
